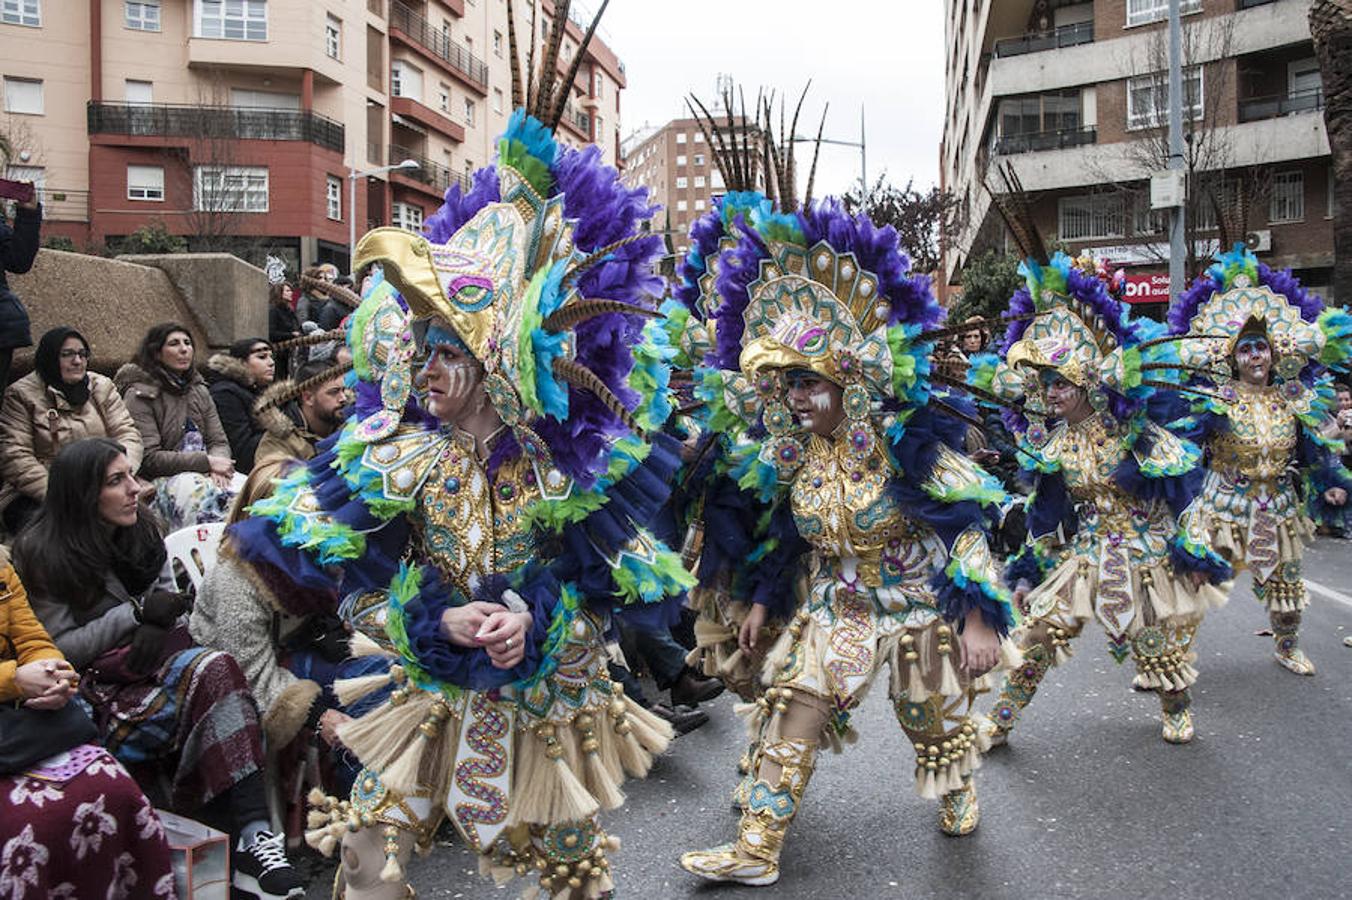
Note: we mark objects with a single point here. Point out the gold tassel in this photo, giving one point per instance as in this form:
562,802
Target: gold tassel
654,735
570,799
915,684
350,690
401,775
362,645
600,783
383,735
925,785
562,795
949,685
315,819
392,872
325,845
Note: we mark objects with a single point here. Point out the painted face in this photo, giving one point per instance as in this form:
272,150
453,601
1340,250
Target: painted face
454,378
74,358
117,499
261,365
971,342
1253,359
176,354
1065,399
815,401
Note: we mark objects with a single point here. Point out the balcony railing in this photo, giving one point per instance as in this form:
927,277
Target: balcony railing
1059,139
432,174
214,122
577,118
1065,36
440,45
1256,108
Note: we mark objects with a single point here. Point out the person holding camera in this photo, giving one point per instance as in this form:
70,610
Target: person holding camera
18,249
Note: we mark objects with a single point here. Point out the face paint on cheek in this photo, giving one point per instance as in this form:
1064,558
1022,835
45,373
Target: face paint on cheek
821,402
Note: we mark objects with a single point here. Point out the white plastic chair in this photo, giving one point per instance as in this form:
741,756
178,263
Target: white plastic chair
192,551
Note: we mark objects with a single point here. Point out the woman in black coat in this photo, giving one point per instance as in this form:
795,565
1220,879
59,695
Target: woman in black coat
236,379
283,324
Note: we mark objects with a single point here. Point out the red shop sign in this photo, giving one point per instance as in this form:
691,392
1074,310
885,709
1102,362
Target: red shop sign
1152,288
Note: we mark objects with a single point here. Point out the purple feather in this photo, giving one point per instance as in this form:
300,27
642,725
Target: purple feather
704,237
877,251
460,207
737,268
1021,304
1281,281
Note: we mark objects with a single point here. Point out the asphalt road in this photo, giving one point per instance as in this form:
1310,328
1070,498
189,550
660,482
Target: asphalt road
1086,801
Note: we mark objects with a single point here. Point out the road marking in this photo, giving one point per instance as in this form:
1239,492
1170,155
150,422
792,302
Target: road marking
1330,593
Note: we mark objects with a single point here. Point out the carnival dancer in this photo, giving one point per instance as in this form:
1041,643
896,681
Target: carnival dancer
1115,531
752,552
821,356
1265,346
485,539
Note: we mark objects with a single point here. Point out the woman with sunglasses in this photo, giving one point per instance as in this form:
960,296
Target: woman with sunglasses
56,404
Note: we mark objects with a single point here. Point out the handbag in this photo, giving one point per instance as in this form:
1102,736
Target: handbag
28,736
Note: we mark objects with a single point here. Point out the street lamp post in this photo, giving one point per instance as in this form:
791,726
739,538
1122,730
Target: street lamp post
352,199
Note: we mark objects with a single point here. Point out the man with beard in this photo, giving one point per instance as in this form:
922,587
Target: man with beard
299,413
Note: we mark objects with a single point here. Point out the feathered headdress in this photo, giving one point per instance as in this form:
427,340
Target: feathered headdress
1068,320
1238,294
541,270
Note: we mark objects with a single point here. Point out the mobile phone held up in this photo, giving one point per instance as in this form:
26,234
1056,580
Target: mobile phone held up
16,190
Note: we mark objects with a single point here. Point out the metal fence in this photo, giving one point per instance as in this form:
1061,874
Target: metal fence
439,42
1045,140
1272,107
1065,36
430,173
214,122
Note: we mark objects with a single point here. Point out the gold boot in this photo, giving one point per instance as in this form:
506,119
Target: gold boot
1286,634
770,807
1020,685
959,813
1176,716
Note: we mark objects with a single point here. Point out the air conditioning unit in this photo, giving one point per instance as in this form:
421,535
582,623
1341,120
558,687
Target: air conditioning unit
1259,241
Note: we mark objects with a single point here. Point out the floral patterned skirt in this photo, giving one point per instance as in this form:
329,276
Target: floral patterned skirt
78,826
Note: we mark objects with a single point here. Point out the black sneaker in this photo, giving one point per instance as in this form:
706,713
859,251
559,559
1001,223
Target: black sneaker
263,870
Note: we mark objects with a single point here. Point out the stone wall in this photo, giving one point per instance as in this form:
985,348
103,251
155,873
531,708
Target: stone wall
113,302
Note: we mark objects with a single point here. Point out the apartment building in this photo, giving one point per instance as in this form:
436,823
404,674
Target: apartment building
676,166
238,123
1073,96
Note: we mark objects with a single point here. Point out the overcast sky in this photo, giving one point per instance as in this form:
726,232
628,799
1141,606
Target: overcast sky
886,55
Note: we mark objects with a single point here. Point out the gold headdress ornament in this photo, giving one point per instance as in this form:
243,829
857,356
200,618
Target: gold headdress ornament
1246,309
510,272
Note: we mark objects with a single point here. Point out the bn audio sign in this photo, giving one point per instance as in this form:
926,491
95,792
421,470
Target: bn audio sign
1152,288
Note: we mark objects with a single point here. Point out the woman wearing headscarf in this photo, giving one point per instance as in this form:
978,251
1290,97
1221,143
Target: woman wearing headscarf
56,404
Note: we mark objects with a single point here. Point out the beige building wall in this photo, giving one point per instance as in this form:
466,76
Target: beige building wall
184,69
